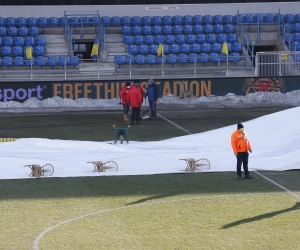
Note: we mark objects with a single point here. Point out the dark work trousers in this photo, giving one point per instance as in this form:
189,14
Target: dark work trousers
125,109
242,157
135,113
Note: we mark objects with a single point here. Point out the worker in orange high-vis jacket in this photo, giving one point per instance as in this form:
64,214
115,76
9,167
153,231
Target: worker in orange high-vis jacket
241,148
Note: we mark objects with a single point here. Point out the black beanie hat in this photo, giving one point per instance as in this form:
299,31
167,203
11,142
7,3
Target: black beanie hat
136,81
127,83
240,125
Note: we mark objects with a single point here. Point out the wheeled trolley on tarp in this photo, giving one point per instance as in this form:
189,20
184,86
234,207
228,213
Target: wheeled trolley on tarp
194,165
38,171
100,166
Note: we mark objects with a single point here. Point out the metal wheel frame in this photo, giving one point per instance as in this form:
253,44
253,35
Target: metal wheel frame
47,170
110,166
202,164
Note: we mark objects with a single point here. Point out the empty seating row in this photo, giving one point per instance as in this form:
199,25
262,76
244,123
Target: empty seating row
22,31
40,61
51,21
190,38
198,19
21,41
177,48
19,50
177,29
292,27
173,59
292,37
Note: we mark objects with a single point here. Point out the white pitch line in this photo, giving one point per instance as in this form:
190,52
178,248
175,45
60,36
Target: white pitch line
278,185
177,126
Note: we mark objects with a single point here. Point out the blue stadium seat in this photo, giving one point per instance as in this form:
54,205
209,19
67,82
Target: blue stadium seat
228,19
229,47
248,18
160,59
8,41
211,38
23,31
30,41
185,48
201,38
159,39
182,58
3,31
132,49
229,28
208,19
21,22
128,39
41,61
203,57
289,18
269,18
140,59
17,50
51,61
149,39
222,38
170,39
296,37
146,30
188,29
34,31
197,19
171,59
116,21
174,48
7,61
259,18
218,28
237,19
93,21
214,57
39,50
167,29
206,47
216,47
143,49
297,19
295,46
198,28
190,38
177,20
177,29
192,58
129,59
237,47
63,21
223,57
187,19
74,61
126,20
288,37
2,22
146,20
10,22
138,39
42,21
296,27
119,59
31,22
84,21
6,50
208,28
166,48
180,38
288,27
40,41
53,21
136,30
218,19
167,20
105,20
19,61
234,57
195,47
126,30
156,29
12,31
231,38
157,20
63,60
153,48
0,41
150,59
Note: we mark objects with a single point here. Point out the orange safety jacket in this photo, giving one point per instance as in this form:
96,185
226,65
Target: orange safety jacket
240,142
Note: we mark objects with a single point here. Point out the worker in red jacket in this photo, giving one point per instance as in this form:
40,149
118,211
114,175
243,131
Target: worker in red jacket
135,99
241,146
124,96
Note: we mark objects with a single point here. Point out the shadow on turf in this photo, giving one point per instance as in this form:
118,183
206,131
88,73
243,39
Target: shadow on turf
262,216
